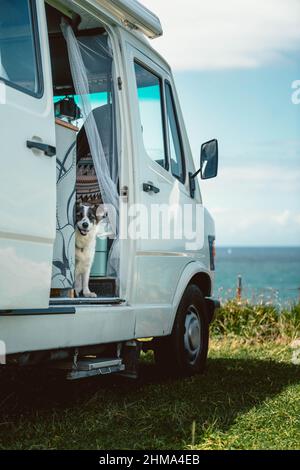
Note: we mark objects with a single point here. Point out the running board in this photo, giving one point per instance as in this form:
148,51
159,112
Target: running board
38,311
91,367
86,301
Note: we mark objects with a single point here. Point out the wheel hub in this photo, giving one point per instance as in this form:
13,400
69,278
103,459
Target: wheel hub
192,334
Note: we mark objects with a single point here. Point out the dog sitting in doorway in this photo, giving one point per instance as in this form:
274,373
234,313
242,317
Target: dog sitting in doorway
89,224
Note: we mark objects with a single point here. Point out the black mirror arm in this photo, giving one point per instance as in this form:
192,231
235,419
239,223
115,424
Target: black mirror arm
193,175
192,184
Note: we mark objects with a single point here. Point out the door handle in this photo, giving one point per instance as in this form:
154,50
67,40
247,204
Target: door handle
48,150
150,188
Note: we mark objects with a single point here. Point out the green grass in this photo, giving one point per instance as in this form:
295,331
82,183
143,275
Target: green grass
248,398
261,322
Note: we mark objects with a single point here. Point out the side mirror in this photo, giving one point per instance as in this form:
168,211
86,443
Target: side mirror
208,164
209,159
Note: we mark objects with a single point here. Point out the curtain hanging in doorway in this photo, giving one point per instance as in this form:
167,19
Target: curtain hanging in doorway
92,69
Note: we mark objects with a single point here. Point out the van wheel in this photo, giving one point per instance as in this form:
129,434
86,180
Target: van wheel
184,352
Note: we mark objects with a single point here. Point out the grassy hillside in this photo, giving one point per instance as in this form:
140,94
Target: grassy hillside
248,398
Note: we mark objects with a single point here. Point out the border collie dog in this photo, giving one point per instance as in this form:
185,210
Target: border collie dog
87,227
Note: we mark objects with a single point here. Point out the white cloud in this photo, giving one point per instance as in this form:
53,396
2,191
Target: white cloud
253,186
218,34
259,227
283,218
255,204
262,174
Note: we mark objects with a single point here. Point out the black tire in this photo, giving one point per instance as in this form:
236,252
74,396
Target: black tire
184,352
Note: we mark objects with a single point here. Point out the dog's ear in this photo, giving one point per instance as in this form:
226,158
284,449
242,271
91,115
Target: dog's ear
101,212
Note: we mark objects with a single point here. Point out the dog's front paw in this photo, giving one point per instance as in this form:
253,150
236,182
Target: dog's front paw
89,294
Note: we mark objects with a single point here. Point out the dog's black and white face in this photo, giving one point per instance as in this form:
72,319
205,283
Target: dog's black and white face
86,218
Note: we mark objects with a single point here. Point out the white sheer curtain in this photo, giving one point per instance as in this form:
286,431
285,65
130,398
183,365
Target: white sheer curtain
86,56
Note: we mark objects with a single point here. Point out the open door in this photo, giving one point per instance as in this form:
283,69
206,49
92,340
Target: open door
28,166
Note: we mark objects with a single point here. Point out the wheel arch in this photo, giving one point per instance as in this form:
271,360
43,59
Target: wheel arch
203,281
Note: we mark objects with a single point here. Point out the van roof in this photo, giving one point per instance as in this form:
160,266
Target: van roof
129,13
132,12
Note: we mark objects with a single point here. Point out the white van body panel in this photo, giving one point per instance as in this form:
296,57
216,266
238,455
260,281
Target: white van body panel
89,325
158,263
28,191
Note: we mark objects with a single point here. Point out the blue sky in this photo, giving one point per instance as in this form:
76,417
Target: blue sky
234,68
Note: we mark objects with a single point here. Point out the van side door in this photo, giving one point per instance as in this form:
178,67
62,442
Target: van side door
27,156
161,167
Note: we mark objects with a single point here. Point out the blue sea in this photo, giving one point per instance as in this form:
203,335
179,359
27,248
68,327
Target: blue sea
269,274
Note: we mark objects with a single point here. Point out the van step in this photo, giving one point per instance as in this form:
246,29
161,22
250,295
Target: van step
91,366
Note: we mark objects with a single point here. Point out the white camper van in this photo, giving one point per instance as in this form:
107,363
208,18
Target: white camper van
89,114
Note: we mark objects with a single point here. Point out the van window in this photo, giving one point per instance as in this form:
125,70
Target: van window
176,149
149,90
18,45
